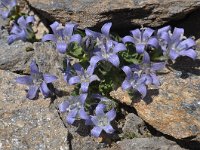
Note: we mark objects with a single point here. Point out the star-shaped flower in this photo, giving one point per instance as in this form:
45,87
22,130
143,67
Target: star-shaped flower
36,81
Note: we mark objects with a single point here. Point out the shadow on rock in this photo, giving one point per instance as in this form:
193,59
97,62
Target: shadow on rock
187,67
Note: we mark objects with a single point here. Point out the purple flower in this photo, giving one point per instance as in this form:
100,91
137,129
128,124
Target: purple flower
6,7
104,35
22,30
75,108
134,81
141,38
37,80
62,36
102,120
148,69
108,52
100,38
85,77
175,44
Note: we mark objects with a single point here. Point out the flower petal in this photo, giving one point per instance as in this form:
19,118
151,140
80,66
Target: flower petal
94,78
186,44
74,80
96,131
111,114
119,47
54,27
153,42
61,47
90,69
30,19
158,66
106,29
173,54
127,70
190,53
44,89
114,59
108,129
163,29
79,69
140,48
49,37
69,28
84,87
63,106
71,116
146,58
76,38
91,33
100,109
177,34
95,59
128,39
32,92
12,38
142,89
27,80
155,80
126,85
82,98
34,68
147,34
136,34
49,78
21,21
83,114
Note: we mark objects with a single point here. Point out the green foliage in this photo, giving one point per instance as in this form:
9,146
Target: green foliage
130,56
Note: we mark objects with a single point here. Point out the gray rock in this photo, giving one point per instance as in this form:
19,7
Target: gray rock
134,127
123,14
154,143
16,56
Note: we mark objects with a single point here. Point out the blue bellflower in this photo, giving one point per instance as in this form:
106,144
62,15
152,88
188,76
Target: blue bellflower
103,36
102,120
84,77
36,81
108,52
148,69
75,108
175,44
6,7
134,81
62,36
22,30
141,38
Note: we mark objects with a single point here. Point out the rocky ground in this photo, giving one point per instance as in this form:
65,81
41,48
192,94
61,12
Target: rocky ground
167,119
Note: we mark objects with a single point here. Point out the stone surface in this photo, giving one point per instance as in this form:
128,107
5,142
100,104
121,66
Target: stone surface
123,14
174,109
14,57
134,126
148,144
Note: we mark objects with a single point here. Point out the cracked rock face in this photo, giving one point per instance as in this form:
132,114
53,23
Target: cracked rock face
174,108
123,14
